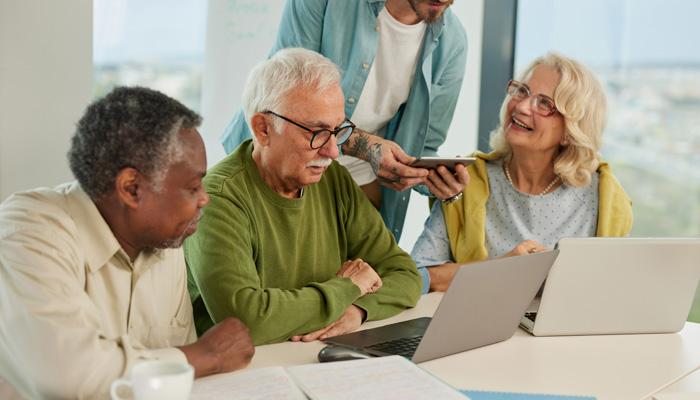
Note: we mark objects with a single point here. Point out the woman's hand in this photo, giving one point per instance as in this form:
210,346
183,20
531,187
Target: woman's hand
526,247
444,185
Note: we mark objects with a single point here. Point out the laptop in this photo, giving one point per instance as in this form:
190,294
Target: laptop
483,305
617,286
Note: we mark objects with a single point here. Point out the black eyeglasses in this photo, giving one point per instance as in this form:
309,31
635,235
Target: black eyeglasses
320,137
540,104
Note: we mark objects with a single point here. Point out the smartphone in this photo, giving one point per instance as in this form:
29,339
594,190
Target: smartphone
433,162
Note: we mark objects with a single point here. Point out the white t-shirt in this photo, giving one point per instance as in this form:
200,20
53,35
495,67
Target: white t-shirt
388,84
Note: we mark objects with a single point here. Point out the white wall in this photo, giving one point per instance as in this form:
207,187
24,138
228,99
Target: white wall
240,36
45,84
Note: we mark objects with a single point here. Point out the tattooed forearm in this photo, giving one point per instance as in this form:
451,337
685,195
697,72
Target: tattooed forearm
362,146
384,181
375,157
389,181
360,143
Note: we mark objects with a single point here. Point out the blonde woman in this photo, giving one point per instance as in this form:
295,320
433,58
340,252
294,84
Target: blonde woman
543,180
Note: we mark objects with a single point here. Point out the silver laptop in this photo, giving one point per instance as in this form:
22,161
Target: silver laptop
617,286
483,305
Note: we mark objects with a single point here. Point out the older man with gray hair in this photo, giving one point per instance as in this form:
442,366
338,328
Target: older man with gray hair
91,277
290,244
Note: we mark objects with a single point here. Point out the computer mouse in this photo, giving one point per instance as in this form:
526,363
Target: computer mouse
335,352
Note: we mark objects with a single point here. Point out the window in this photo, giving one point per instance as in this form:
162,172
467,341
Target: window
643,53
146,43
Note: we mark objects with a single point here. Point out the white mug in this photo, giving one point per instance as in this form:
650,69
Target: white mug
156,380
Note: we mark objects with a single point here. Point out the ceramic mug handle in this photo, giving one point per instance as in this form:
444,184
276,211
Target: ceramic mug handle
115,386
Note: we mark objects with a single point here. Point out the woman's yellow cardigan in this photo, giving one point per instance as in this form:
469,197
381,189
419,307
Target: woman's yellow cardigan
465,217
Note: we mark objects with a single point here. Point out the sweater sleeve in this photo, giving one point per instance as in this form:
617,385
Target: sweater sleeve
369,239
221,259
615,207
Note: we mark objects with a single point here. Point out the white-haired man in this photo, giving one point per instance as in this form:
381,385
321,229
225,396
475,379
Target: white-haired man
290,244
403,62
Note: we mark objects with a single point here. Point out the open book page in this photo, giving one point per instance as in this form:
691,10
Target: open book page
392,377
257,384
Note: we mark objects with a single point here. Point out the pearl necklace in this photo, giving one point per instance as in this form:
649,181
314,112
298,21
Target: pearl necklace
507,171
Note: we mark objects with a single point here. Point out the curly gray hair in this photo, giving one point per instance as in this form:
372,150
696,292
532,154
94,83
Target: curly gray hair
130,127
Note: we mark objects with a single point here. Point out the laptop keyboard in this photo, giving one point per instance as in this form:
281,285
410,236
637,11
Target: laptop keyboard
404,346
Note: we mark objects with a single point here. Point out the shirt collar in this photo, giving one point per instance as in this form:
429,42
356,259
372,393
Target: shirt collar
100,244
436,28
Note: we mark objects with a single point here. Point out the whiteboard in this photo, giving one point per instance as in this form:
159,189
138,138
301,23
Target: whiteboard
240,34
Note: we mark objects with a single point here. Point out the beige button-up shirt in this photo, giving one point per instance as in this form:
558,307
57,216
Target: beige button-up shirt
75,313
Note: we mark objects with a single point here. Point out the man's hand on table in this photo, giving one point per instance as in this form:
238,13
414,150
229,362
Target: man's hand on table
225,347
362,275
348,322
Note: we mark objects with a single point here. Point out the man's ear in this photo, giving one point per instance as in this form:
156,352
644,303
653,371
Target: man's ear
261,128
129,186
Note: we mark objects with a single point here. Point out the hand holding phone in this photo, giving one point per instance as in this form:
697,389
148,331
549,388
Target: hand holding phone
449,162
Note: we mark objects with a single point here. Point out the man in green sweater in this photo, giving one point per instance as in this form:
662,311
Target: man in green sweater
289,244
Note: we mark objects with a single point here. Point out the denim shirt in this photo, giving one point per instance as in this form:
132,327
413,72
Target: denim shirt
344,31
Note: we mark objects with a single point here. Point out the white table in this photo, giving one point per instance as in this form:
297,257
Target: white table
610,367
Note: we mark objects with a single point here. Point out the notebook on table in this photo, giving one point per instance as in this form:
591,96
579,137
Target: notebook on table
617,286
483,305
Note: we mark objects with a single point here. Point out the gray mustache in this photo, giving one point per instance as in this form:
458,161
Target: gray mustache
320,163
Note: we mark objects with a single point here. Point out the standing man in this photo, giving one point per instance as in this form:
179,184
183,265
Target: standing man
403,63
92,276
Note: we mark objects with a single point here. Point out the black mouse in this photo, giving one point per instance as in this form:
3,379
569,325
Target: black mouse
335,352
